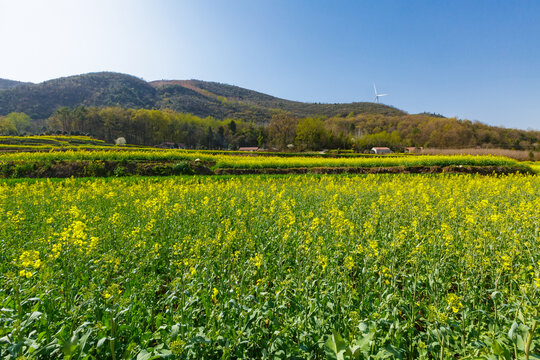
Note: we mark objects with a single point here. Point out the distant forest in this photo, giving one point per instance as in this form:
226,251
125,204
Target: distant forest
283,131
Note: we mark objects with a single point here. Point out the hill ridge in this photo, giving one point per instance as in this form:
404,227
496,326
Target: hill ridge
8,84
198,97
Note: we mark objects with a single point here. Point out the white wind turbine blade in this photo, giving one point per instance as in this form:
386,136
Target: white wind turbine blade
375,88
382,94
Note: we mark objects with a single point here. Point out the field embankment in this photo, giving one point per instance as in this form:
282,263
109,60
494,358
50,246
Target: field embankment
101,163
521,155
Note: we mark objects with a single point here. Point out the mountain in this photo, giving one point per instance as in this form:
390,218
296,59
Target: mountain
181,96
39,101
197,97
8,84
234,101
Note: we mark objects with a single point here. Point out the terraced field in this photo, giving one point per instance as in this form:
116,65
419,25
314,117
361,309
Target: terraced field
132,161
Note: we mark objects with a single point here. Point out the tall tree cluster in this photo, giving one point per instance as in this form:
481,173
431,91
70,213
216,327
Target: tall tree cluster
284,131
15,124
430,131
154,127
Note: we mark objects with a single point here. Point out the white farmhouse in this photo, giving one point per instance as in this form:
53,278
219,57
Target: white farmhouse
381,150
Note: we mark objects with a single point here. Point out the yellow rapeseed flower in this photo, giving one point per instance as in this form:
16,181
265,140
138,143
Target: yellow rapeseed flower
25,273
214,295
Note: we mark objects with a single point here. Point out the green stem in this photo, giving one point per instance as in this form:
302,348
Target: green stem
442,348
18,301
440,337
19,310
113,335
183,304
529,340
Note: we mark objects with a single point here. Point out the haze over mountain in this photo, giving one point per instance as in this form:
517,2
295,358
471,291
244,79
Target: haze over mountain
197,97
8,84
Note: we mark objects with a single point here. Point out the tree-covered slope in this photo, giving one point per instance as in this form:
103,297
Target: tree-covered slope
178,96
200,98
95,89
237,97
8,84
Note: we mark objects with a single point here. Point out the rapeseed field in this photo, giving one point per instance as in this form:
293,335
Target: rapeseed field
260,267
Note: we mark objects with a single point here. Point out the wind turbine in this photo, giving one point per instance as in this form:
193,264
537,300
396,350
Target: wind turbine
377,95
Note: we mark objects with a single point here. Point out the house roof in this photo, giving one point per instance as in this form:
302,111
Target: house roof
380,148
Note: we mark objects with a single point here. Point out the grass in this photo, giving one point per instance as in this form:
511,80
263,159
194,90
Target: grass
403,266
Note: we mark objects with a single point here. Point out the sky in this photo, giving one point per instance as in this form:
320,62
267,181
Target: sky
476,60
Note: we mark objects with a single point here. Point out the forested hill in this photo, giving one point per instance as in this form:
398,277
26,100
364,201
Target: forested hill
233,99
39,101
8,84
199,98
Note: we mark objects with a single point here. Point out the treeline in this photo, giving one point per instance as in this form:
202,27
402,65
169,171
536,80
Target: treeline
284,131
362,132
15,124
155,127
430,131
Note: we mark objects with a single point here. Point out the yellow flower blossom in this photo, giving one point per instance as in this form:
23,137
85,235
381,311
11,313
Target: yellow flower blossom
215,293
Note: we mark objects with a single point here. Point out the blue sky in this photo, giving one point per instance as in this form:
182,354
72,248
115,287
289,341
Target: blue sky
478,60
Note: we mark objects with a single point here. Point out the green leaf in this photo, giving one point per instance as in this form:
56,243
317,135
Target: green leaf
335,347
393,351
144,355
175,329
84,339
512,330
33,317
362,344
496,295
520,343
498,349
101,342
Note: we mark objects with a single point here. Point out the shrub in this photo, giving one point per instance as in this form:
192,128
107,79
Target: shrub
182,168
119,171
